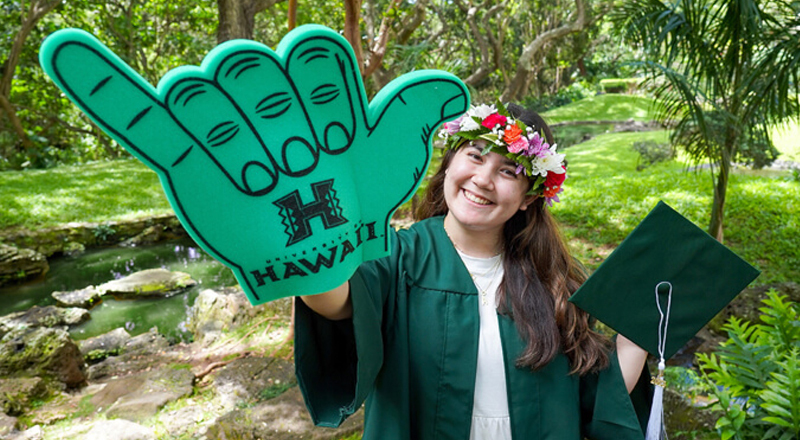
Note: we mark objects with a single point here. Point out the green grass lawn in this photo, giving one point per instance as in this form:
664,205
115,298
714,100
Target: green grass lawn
605,198
97,192
608,107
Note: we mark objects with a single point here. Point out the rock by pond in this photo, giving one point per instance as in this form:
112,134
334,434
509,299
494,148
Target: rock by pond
146,283
100,347
139,396
137,354
16,395
49,316
42,352
253,379
119,429
60,239
85,298
20,264
282,418
220,310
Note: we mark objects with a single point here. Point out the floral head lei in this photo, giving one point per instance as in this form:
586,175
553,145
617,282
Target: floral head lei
514,140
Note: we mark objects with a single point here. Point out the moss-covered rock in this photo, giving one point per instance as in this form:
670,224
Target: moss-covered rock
17,394
48,316
282,418
221,310
140,396
42,352
86,298
20,264
100,347
148,283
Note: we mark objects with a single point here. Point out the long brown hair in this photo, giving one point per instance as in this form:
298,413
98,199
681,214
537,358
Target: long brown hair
540,275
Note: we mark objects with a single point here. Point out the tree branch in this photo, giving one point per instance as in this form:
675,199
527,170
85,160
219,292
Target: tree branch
378,50
352,17
516,88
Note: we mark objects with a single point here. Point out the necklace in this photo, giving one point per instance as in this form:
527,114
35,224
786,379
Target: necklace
483,290
492,270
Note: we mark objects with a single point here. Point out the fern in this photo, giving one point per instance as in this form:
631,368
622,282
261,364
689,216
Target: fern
755,375
781,398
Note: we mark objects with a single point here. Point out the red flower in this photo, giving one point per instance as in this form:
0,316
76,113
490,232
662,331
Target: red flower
553,180
492,120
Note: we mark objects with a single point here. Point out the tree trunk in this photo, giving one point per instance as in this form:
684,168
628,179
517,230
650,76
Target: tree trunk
292,15
237,18
36,11
8,109
718,208
352,32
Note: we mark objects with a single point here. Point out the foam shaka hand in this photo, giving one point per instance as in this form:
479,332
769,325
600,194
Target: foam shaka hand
274,161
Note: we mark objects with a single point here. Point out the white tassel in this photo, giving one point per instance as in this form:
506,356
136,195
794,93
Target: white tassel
655,426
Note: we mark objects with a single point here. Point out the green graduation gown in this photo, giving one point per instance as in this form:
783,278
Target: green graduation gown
411,351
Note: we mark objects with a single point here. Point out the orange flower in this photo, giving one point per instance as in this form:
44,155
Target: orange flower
512,134
550,192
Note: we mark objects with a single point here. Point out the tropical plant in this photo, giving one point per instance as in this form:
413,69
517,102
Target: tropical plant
755,376
723,71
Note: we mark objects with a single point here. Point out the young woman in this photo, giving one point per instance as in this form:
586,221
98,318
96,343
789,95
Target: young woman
465,331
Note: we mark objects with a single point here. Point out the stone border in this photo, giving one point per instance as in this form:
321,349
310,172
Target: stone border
76,236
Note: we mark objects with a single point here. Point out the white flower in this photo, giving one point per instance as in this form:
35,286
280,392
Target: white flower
482,111
550,162
469,124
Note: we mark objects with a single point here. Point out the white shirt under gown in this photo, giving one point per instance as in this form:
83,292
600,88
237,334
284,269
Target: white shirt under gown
490,415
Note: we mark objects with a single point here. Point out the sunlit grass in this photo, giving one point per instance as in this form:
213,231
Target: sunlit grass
98,192
605,198
787,140
608,107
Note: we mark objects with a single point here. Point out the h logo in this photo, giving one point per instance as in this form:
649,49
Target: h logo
296,215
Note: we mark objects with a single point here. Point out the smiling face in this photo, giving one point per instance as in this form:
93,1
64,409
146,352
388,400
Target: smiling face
483,192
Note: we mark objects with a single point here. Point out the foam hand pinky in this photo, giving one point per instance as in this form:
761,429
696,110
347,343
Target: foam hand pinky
274,161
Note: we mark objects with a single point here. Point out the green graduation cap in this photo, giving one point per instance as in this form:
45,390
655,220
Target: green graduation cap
665,281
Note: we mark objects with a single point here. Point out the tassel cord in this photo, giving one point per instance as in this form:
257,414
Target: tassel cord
655,425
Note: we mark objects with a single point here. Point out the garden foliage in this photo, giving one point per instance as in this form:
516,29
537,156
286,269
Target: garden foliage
755,375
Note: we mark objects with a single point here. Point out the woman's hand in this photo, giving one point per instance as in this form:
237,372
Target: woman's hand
334,304
631,361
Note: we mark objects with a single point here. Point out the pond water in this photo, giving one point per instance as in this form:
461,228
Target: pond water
96,267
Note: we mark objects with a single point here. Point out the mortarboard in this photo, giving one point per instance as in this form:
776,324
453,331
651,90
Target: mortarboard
661,285
666,249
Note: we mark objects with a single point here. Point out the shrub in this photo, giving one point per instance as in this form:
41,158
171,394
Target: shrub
567,95
651,152
620,85
755,376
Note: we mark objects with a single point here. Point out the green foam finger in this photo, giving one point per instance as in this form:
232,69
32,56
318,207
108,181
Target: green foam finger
224,134
333,97
405,115
114,96
256,81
